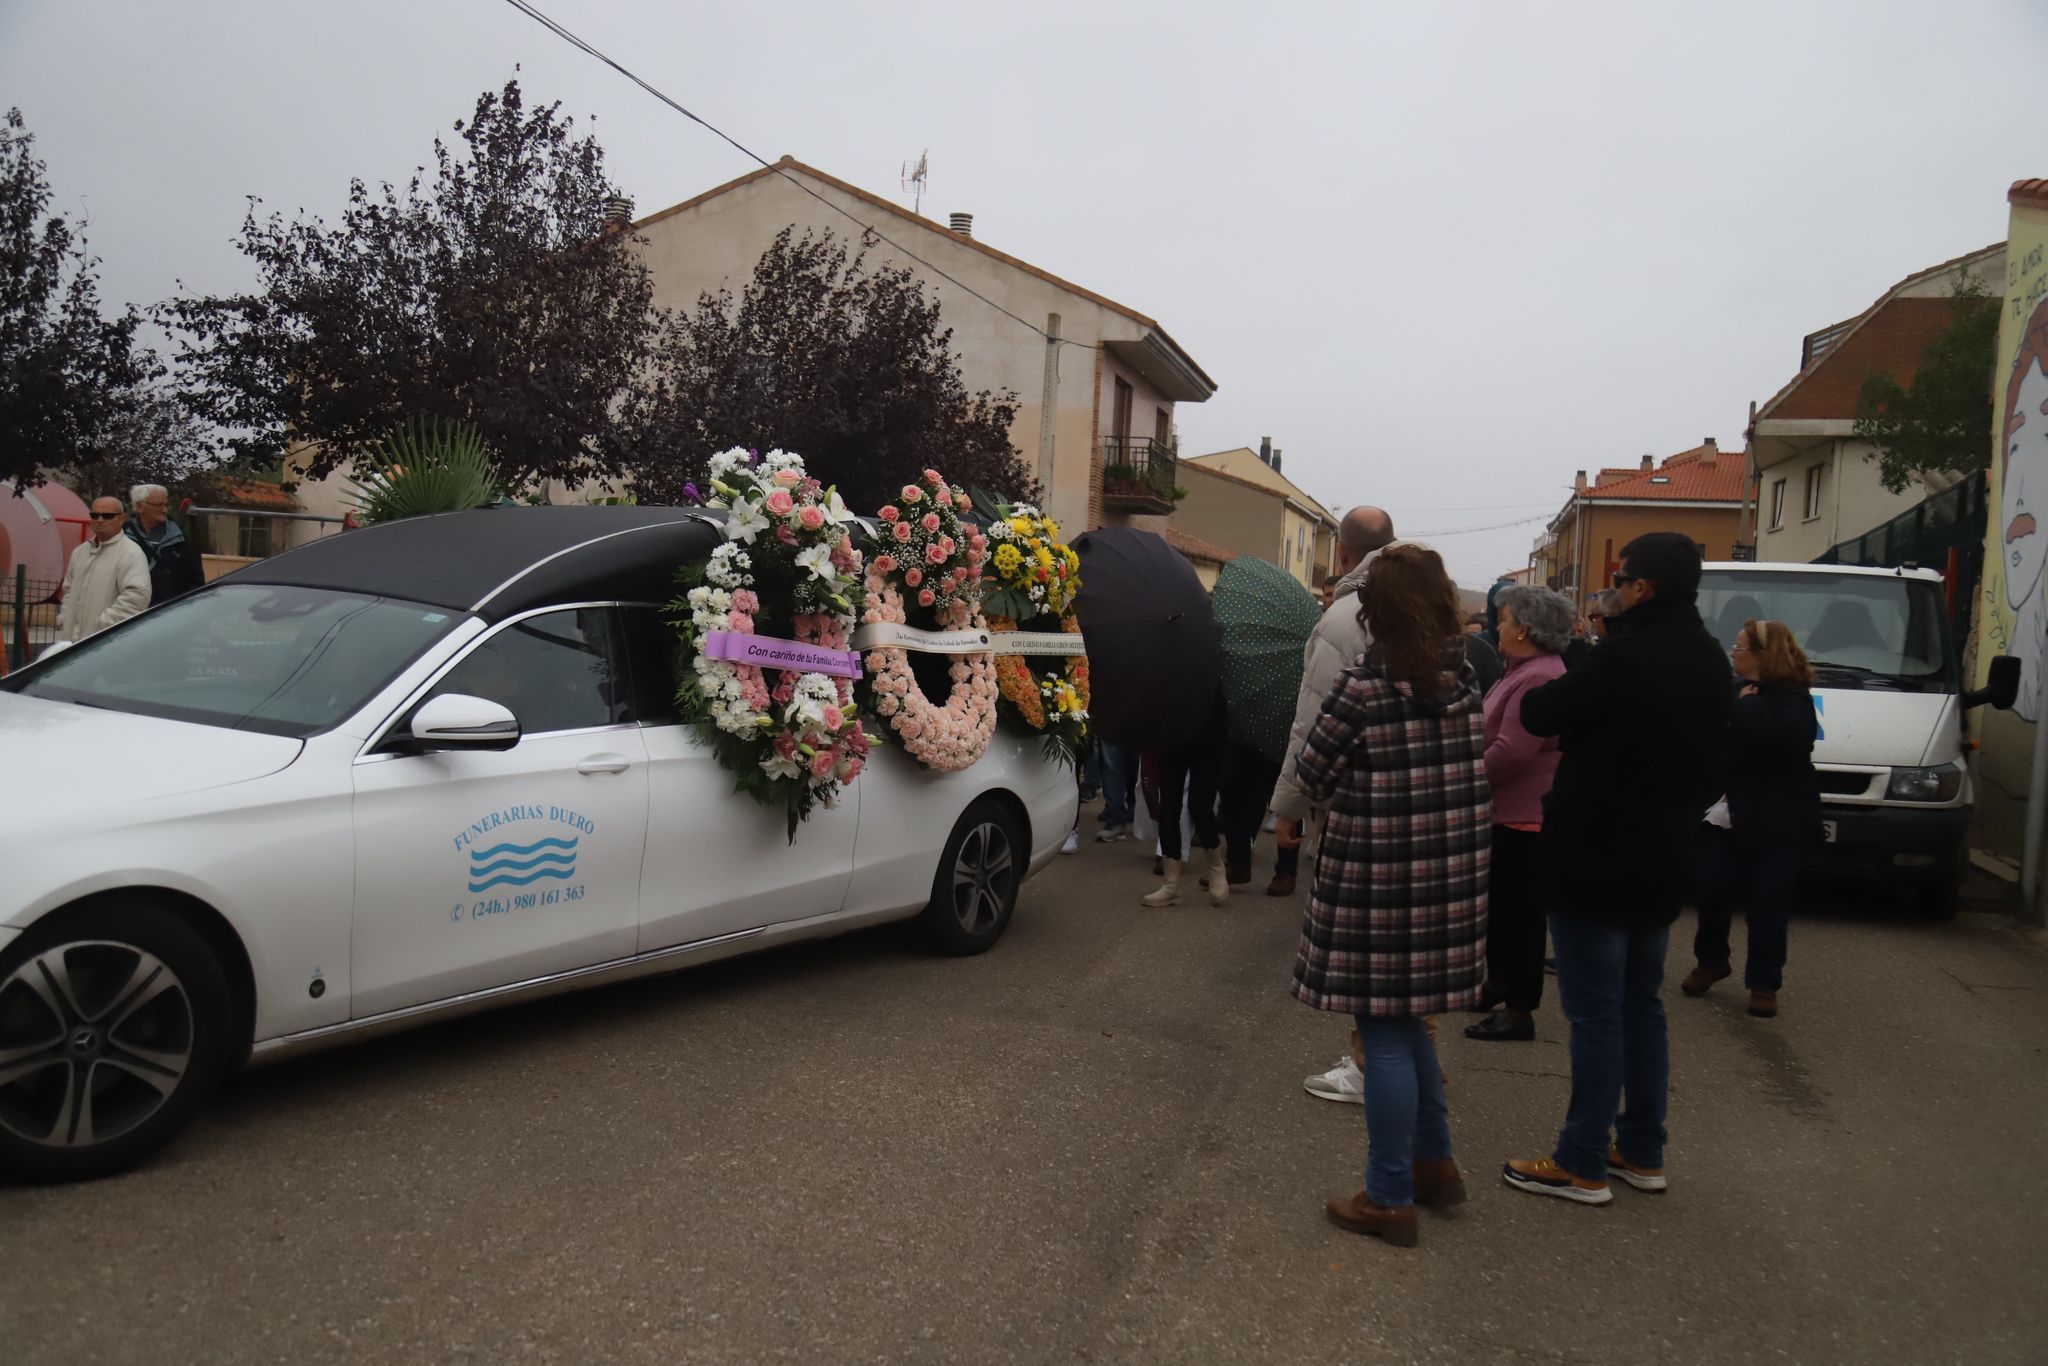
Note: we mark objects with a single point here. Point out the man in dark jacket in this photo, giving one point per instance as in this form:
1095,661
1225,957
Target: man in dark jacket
174,565
1641,719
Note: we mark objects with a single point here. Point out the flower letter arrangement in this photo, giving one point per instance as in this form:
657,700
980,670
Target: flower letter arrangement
926,573
765,671
1032,582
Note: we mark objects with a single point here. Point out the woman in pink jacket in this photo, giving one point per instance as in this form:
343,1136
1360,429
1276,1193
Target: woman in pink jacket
1535,627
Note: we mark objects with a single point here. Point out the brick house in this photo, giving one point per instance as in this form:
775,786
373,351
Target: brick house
1700,492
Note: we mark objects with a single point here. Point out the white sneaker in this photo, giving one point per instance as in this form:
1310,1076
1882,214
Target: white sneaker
1343,1083
1110,834
1073,844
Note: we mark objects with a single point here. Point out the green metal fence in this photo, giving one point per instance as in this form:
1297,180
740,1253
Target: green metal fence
1944,532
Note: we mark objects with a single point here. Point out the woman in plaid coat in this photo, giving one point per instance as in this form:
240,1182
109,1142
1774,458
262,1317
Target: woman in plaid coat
1396,925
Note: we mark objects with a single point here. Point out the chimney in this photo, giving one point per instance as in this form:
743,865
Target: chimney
618,214
1579,483
1711,454
1276,460
1649,462
963,223
1265,450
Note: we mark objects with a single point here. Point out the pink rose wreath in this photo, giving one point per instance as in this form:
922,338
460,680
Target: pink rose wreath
929,563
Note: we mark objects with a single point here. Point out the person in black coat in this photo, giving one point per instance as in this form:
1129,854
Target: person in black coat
1755,841
1640,721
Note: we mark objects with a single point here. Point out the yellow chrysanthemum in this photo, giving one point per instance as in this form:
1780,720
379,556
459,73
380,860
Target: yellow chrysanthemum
1041,555
1021,525
1008,558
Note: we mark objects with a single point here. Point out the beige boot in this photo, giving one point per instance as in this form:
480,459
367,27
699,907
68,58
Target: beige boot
1168,893
1219,881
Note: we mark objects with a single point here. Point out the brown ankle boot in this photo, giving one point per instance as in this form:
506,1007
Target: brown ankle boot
1438,1182
1281,885
1700,978
1360,1215
1764,1004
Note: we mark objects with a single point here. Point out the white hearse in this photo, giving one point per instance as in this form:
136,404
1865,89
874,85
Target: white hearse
412,770
1891,756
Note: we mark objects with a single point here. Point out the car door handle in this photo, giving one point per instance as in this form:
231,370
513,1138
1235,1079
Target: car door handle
604,763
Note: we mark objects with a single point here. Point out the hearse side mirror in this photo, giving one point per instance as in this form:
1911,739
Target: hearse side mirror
2001,685
458,721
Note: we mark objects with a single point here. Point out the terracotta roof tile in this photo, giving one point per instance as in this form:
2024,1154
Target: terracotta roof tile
1888,337
257,495
1197,549
1685,477
2028,192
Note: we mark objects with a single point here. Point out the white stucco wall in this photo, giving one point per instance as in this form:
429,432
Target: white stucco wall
1852,500
702,247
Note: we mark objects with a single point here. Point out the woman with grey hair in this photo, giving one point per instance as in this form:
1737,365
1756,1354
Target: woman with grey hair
1535,627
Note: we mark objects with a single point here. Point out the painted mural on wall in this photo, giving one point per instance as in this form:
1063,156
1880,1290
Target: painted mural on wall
2015,616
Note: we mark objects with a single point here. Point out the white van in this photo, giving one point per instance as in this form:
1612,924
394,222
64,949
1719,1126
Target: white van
1894,781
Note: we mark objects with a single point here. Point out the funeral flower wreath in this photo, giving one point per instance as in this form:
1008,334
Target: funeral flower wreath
930,562
784,586
1033,579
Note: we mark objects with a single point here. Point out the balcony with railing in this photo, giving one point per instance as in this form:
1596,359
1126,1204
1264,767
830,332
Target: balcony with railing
1138,475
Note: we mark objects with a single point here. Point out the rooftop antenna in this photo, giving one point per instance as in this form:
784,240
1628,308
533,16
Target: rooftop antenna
915,177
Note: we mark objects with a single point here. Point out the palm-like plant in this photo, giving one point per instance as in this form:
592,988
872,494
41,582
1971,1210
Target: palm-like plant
425,467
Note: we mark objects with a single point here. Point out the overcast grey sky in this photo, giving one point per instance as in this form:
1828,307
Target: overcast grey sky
1443,254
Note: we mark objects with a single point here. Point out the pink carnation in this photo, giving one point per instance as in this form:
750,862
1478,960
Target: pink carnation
779,502
925,598
889,514
746,601
812,518
903,531
935,553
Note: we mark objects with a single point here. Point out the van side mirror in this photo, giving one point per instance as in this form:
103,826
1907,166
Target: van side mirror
2001,685
459,721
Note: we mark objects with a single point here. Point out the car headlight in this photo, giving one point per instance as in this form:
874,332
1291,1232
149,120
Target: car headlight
1925,784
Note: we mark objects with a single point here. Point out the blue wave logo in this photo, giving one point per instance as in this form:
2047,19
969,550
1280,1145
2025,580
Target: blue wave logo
517,865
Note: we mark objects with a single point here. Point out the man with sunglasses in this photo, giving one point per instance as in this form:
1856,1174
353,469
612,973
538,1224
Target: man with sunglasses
107,580
1641,719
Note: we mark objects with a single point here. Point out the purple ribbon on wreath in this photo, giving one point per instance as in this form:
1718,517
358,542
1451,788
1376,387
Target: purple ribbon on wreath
773,652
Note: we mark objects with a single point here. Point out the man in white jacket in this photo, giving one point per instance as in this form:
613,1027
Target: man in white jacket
107,580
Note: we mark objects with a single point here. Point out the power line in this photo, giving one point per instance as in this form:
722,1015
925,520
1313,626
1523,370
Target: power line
532,12
1484,507
1473,530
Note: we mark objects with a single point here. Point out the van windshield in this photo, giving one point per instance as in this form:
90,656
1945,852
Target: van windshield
1857,629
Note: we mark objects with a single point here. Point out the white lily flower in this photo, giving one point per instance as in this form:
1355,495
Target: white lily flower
818,559
835,507
745,522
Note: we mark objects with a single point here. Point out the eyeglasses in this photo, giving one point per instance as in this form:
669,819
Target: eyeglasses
1624,580
1741,650
105,516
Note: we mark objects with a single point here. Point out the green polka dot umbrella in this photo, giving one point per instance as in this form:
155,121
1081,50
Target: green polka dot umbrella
1265,617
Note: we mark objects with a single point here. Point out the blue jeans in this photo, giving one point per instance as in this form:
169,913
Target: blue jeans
1119,774
1406,1120
1608,981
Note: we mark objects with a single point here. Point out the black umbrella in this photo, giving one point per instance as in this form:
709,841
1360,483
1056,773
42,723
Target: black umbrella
1154,656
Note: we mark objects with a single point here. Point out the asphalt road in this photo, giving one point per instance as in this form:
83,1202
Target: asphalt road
1089,1145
